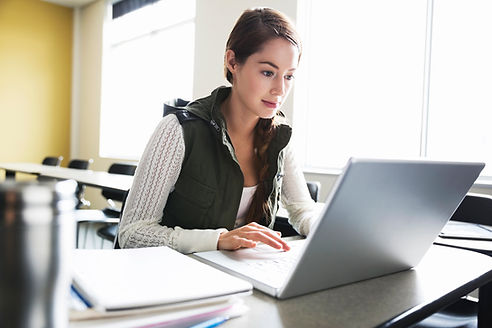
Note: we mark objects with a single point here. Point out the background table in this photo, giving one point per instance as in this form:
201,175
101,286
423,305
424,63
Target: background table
99,179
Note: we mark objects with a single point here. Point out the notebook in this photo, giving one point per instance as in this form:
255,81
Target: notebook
381,217
124,279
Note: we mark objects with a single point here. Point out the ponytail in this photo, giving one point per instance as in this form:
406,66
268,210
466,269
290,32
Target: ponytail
264,132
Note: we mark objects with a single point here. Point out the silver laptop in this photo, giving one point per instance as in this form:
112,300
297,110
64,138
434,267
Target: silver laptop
381,217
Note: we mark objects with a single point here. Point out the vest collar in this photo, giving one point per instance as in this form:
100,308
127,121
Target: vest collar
208,109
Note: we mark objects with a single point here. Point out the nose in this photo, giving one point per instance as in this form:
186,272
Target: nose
278,87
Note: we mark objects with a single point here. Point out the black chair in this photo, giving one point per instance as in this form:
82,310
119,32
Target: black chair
110,232
52,161
109,215
282,223
177,102
81,164
116,195
314,187
475,208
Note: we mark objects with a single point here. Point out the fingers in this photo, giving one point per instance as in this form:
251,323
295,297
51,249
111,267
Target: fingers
265,235
228,241
248,236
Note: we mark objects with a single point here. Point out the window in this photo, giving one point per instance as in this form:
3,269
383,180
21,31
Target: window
148,60
460,96
387,78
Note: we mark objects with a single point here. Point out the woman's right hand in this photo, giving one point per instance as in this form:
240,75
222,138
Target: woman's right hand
248,236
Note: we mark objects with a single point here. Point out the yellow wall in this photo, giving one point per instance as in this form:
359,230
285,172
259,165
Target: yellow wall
35,80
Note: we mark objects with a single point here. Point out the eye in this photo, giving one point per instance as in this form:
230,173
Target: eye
289,77
267,73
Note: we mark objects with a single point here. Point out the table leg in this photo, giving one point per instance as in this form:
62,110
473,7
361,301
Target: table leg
485,306
9,175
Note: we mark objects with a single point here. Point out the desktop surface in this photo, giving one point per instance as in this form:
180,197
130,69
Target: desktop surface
398,299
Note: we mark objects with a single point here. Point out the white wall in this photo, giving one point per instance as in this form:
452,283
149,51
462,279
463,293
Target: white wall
214,22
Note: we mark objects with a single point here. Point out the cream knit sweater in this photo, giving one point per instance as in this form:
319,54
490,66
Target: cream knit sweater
156,174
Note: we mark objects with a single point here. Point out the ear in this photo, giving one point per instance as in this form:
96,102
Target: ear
230,61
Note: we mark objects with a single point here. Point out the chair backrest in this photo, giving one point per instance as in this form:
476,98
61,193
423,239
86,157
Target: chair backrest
475,208
118,168
177,102
52,161
80,164
314,187
116,244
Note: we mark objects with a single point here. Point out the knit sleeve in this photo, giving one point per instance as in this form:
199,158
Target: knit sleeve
155,177
295,195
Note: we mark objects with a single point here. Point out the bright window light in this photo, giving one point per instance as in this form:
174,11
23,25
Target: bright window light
385,78
460,97
149,60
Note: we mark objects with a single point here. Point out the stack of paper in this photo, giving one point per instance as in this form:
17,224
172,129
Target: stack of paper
148,286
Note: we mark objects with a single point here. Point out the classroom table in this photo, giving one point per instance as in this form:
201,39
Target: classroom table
98,179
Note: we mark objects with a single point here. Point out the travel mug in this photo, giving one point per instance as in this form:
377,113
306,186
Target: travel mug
36,242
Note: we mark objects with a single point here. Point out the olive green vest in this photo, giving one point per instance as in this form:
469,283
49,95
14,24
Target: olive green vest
208,190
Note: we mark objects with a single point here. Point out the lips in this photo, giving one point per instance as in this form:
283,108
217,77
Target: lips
271,104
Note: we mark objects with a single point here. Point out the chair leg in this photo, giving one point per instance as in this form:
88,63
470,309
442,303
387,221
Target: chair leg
85,234
77,230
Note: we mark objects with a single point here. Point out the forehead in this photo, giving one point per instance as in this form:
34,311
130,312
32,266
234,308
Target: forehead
279,52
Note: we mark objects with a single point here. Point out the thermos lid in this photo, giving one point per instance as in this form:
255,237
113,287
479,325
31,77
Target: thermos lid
35,202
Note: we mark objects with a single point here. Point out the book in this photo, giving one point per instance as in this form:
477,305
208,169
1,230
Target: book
144,278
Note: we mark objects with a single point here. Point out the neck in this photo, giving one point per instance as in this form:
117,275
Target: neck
240,121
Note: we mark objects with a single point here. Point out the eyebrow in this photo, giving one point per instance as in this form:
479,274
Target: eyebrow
274,66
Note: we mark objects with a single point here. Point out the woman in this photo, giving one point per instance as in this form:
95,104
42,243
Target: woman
212,178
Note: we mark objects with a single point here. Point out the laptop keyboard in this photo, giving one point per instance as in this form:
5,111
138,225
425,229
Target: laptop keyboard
274,262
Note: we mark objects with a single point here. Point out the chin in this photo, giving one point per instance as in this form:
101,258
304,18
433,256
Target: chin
268,114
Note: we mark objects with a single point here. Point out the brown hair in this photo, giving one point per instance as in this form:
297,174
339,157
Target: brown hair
252,30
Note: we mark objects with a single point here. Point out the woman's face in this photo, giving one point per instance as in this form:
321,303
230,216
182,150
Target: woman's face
264,80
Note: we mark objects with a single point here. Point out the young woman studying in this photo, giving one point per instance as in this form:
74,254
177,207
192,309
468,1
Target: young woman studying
213,177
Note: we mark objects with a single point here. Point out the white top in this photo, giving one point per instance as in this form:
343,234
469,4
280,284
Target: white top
246,199
155,177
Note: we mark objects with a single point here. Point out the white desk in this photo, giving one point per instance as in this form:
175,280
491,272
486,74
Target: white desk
91,178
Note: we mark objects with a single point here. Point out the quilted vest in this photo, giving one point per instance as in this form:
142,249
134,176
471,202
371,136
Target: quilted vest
208,190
